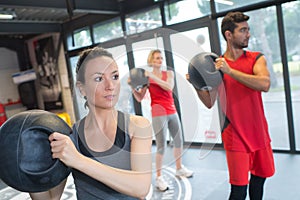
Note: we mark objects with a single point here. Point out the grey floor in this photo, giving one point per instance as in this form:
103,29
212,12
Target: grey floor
210,180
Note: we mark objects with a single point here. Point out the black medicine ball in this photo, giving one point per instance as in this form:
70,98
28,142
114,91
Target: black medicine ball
202,72
137,78
26,162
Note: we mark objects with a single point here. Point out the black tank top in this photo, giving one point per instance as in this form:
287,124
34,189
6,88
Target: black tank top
117,156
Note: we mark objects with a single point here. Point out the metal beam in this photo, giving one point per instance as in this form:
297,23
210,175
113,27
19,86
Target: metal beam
96,6
28,28
34,3
90,6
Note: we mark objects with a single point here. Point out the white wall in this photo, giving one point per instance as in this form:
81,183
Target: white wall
8,65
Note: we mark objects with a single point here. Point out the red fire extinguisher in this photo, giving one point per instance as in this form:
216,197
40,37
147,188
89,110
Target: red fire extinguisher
2,114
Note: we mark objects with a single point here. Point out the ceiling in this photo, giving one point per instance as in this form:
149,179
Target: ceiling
34,17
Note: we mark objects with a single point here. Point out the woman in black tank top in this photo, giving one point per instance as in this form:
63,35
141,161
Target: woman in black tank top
109,151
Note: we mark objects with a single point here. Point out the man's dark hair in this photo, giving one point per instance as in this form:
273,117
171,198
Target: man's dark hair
230,20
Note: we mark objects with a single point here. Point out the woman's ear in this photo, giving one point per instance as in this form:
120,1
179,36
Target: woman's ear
80,87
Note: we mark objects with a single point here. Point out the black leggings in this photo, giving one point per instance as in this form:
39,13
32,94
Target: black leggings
256,189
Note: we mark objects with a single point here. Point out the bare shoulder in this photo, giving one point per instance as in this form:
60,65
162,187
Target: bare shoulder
261,58
139,125
170,73
260,66
139,121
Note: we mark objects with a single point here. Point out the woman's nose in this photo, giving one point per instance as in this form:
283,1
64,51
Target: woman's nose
109,84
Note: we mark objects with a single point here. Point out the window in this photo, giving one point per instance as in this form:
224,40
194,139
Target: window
223,5
78,99
292,36
186,10
200,124
80,38
107,31
140,52
125,102
143,21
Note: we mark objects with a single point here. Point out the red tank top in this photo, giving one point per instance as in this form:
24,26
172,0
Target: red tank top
248,129
162,102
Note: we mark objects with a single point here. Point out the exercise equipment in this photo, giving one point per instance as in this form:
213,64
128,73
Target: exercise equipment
202,72
26,162
137,78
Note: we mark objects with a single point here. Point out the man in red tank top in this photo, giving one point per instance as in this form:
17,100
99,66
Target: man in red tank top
246,138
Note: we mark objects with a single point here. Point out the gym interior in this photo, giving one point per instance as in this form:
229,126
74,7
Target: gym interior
40,45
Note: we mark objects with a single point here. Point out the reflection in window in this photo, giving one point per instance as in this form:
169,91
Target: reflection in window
107,31
186,10
200,124
140,53
143,21
81,38
77,97
125,102
223,5
292,35
264,38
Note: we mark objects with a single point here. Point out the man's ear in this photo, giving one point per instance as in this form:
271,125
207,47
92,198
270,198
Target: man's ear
228,34
80,87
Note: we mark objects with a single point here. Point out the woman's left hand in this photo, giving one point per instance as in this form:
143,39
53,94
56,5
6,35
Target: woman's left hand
64,149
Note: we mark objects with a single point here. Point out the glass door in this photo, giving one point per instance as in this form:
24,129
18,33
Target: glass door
200,125
141,50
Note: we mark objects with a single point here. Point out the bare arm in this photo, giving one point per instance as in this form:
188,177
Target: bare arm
139,94
166,85
135,182
259,80
208,98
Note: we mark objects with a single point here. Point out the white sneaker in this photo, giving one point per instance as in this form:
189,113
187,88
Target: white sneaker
184,172
161,184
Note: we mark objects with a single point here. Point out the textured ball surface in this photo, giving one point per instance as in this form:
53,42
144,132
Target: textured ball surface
202,71
138,78
26,159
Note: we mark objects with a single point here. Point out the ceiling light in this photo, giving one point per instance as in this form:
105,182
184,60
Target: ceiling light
7,14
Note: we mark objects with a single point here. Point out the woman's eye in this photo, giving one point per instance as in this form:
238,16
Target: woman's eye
98,79
116,77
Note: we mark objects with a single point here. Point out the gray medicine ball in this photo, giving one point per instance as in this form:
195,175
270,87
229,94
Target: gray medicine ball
202,71
137,78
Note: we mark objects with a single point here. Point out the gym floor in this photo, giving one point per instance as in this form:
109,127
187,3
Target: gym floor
210,180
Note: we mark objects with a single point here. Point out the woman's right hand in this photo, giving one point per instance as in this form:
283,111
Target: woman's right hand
63,148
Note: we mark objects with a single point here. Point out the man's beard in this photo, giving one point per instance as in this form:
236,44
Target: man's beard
240,45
